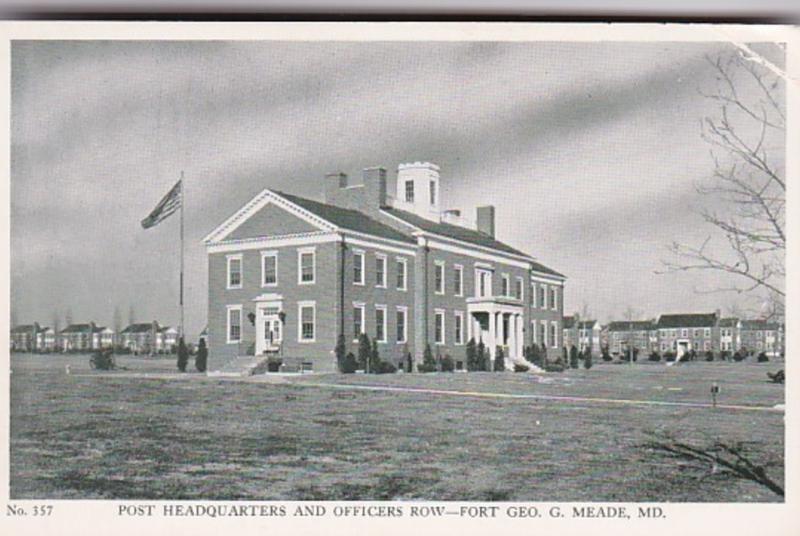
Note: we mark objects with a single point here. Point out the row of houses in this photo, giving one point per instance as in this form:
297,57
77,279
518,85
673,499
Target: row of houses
679,333
148,337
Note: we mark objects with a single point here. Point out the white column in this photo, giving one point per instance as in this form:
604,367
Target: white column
492,334
501,332
520,336
512,336
468,320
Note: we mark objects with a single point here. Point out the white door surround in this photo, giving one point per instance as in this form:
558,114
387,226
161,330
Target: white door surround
269,328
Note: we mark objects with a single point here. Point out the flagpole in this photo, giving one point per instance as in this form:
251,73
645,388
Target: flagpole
183,200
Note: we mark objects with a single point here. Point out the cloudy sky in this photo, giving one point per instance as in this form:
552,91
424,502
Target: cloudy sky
590,151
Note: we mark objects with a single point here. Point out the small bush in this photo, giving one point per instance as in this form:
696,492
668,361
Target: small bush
654,356
724,355
587,359
428,362
606,355
573,357
102,360
448,365
409,362
482,360
183,355
385,367
341,352
201,361
499,360
520,367
669,355
364,351
349,364
739,356
709,355
554,366
762,357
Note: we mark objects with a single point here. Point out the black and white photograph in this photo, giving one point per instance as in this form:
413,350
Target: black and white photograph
473,270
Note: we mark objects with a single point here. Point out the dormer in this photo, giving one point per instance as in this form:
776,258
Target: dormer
418,189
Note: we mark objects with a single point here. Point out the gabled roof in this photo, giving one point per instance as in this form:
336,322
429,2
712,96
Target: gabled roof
351,220
463,234
693,320
77,328
569,323
164,329
631,325
23,328
142,327
728,322
759,325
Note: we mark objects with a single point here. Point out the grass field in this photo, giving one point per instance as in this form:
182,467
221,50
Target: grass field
89,435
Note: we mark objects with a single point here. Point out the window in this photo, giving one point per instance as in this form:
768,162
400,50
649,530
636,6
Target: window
402,321
234,271
533,294
439,331
306,314
673,333
410,191
533,332
553,298
380,323
358,320
483,283
269,268
518,289
684,332
401,274
358,267
234,323
543,332
554,334
438,277
696,333
459,333
458,279
542,295
380,271
433,192
707,332
305,260
505,289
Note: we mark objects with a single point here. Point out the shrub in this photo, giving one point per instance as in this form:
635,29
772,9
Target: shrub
374,358
605,353
554,366
472,355
654,356
201,361
349,364
739,355
724,355
409,362
519,367
762,357
183,355
573,357
709,355
385,367
499,360
532,355
669,355
102,360
481,358
587,359
428,362
341,351
364,352
448,365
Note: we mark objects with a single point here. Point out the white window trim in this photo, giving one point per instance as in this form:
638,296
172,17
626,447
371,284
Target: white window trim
534,305
505,281
228,309
404,310
265,254
554,327
404,262
300,306
385,338
458,315
381,257
228,259
363,263
300,252
459,268
543,292
439,264
489,290
521,282
554,293
440,313
534,336
545,335
363,308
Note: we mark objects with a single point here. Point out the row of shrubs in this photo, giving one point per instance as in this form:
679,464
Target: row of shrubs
104,359
692,355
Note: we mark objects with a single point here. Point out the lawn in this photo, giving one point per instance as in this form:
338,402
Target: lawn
87,435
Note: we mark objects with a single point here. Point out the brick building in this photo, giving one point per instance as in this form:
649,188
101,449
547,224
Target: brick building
756,336
148,337
582,333
85,337
288,275
680,333
624,334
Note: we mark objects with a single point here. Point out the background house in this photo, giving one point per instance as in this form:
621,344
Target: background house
582,333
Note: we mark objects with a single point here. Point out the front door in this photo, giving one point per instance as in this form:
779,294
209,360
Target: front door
268,329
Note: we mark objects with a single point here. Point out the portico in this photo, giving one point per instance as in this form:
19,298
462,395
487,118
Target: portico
497,322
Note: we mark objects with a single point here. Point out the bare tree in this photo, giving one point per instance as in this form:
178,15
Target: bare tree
131,315
117,320
56,318
747,138
68,317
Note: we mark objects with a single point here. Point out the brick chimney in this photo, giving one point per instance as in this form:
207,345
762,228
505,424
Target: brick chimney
485,219
333,183
374,188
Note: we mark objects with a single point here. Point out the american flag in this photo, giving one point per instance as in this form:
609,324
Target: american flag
166,207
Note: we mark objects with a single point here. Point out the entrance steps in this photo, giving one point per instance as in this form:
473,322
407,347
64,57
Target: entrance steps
244,365
511,361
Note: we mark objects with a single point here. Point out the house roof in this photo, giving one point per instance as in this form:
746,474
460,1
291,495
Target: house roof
143,327
569,323
758,325
464,234
692,320
348,219
728,322
23,328
631,325
77,328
